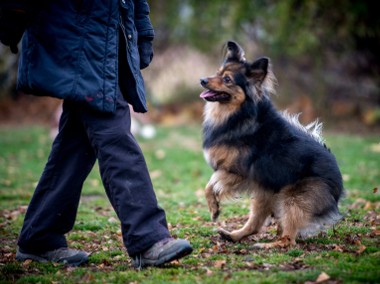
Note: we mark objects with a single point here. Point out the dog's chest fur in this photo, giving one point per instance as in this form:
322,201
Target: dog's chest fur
227,140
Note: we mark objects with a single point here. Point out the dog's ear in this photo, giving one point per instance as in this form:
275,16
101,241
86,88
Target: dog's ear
258,70
234,52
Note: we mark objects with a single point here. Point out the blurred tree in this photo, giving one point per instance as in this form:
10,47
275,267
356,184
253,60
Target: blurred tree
290,28
328,50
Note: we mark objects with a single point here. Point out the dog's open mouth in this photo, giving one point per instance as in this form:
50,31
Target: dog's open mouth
214,96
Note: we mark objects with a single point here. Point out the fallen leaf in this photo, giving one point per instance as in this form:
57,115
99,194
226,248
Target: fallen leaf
160,154
112,220
375,190
338,248
361,249
155,174
70,268
94,182
322,277
346,177
219,263
206,255
243,251
267,266
118,257
23,209
368,205
88,278
198,218
27,262
200,192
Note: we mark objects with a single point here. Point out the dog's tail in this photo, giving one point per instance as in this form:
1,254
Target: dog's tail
313,129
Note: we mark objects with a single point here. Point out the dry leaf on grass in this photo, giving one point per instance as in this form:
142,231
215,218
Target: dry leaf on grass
200,193
27,262
322,277
208,272
112,220
155,174
338,248
361,249
220,263
160,154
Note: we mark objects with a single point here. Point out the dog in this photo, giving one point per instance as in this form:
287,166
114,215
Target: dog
254,149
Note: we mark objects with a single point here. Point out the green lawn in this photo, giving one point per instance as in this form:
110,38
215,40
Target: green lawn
349,253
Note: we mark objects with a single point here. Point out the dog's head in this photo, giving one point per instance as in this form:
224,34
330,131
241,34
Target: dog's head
238,80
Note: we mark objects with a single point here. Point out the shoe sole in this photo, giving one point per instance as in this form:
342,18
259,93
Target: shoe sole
20,256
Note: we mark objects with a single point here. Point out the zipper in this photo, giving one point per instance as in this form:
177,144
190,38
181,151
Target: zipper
123,30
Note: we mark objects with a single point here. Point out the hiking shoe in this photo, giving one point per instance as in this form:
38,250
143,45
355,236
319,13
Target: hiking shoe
162,252
67,256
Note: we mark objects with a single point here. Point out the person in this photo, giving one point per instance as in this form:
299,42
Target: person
89,53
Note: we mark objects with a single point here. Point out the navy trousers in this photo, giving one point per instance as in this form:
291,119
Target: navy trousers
84,136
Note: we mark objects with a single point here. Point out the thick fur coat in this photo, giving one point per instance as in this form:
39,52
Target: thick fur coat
254,149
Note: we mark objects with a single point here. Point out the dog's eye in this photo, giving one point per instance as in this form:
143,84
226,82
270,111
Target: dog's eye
227,79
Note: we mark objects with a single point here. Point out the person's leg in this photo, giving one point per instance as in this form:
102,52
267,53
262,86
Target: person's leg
126,178
52,210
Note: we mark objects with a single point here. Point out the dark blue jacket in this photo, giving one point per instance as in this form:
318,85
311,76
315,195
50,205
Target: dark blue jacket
72,51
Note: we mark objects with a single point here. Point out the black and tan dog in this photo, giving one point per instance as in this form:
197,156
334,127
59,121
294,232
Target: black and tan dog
284,166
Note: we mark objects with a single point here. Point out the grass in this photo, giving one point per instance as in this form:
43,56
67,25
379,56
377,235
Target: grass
349,253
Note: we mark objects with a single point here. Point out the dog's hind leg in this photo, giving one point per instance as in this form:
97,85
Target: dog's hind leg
289,230
292,217
260,210
306,208
298,205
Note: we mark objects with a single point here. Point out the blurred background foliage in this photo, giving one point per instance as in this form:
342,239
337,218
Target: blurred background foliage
325,55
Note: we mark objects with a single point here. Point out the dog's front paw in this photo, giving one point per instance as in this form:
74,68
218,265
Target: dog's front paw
214,209
225,235
213,203
215,215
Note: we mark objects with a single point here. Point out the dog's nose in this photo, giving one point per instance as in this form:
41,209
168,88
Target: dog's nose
204,81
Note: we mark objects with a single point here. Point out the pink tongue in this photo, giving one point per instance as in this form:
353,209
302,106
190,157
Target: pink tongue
206,94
